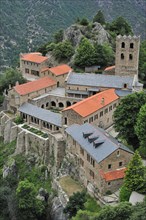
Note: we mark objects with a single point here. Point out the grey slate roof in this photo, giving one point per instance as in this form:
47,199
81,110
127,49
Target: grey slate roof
122,93
42,114
103,150
99,80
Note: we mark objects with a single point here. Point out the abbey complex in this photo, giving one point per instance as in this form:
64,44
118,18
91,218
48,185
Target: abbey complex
66,116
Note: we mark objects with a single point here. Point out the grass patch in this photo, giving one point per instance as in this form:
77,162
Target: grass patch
69,185
91,205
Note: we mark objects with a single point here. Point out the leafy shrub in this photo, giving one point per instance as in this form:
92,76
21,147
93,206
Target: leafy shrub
84,21
18,120
124,194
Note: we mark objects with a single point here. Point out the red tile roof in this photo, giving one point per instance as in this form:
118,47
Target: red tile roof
33,57
94,103
59,70
36,85
109,68
113,175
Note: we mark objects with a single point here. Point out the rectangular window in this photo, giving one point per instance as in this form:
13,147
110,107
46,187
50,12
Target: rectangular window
81,151
106,111
114,105
26,70
81,162
92,162
90,119
101,114
120,164
91,174
96,117
109,166
109,183
88,157
110,108
74,142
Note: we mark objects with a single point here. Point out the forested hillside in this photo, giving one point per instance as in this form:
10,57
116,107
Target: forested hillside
27,24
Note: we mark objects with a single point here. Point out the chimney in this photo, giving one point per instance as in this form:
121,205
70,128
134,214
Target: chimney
102,101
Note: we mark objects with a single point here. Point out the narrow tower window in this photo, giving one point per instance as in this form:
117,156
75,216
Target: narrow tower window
130,57
123,45
122,56
131,45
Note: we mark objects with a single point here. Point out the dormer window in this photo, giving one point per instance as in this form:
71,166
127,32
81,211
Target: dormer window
123,45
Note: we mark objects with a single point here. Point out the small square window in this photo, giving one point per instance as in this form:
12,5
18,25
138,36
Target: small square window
109,183
109,166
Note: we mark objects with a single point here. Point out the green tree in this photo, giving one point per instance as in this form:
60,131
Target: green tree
124,193
139,211
10,76
120,26
99,17
119,212
63,50
85,55
135,174
30,207
84,22
142,61
125,117
58,36
140,127
104,54
75,203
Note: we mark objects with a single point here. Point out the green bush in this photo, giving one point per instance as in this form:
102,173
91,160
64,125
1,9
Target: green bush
18,120
84,21
124,194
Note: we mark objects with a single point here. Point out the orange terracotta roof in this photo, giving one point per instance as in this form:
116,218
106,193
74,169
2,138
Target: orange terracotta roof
33,57
114,175
36,85
109,68
59,70
94,103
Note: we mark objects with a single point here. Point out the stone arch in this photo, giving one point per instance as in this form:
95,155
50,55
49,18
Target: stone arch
68,103
123,45
42,106
61,105
53,104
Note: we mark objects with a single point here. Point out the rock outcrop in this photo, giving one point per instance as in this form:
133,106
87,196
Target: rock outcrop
96,33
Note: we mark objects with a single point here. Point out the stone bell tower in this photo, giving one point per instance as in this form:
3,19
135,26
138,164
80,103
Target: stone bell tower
127,55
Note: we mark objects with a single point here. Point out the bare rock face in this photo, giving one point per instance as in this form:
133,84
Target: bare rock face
95,33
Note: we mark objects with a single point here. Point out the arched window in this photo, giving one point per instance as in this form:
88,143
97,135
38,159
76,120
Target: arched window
42,106
60,105
123,45
131,45
68,103
122,56
125,85
53,104
57,84
130,57
47,104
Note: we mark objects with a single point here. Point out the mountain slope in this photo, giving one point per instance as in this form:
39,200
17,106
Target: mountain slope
26,24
